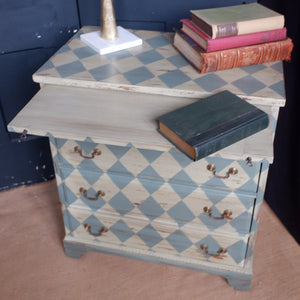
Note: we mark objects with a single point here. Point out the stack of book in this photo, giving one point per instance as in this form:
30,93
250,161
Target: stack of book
233,36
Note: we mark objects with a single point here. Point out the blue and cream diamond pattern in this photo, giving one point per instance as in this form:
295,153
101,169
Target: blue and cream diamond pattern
156,66
154,237
156,185
172,166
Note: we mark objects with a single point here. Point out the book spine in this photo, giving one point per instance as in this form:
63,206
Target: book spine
232,41
246,56
188,50
223,30
229,137
246,40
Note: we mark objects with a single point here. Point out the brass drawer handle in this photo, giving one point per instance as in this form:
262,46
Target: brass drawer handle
225,215
83,192
95,152
88,228
231,171
220,254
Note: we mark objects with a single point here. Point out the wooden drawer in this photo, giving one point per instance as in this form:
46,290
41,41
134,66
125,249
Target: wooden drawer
154,238
175,203
172,166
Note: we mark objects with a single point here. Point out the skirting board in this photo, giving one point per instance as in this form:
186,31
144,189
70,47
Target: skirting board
125,40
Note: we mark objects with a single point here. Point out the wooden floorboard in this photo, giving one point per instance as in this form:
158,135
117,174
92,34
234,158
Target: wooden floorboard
33,264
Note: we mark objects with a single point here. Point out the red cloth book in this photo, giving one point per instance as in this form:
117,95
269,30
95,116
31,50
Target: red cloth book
209,44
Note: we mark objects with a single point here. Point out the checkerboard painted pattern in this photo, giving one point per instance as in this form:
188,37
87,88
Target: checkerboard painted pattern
142,183
151,202
155,67
154,238
171,166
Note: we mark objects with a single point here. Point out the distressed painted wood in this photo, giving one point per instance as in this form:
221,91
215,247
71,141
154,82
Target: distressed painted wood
140,197
151,164
149,199
119,118
129,234
156,67
238,280
38,230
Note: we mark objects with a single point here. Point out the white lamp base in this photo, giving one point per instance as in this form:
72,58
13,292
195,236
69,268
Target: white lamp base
125,40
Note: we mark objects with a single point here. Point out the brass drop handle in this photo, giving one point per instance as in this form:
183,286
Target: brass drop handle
83,192
225,215
220,254
231,171
95,152
88,228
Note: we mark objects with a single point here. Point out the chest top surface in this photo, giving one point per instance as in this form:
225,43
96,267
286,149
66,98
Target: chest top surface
156,67
116,98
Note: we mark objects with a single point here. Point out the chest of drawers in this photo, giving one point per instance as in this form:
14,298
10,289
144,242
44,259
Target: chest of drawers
125,189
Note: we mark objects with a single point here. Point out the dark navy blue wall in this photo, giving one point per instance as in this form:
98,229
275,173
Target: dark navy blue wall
29,24
30,32
144,14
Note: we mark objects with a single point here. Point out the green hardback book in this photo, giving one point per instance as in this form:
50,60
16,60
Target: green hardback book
211,124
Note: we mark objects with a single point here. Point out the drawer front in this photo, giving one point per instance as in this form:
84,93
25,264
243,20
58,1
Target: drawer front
171,166
156,238
150,199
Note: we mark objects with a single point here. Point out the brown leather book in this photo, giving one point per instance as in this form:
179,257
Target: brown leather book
231,58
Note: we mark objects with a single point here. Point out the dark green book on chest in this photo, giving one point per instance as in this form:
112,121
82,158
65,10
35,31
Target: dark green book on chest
211,124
